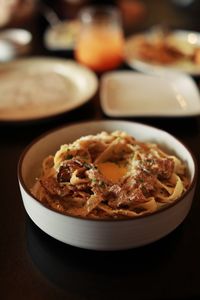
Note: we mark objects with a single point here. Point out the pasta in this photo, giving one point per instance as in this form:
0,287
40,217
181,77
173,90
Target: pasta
162,49
110,175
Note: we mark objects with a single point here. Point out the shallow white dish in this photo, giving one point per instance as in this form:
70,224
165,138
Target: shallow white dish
62,36
183,39
36,88
128,93
102,234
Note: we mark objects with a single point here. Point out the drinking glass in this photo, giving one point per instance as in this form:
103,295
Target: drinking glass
100,42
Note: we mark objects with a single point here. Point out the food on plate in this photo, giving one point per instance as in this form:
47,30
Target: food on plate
158,51
162,49
63,35
110,175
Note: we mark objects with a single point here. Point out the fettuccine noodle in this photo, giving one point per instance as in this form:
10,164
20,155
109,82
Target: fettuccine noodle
110,175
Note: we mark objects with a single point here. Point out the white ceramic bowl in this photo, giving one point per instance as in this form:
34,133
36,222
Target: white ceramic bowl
102,234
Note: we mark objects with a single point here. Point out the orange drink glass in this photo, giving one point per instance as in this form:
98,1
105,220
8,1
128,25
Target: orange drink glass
100,42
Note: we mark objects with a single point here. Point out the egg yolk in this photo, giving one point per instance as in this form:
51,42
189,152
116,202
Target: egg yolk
112,171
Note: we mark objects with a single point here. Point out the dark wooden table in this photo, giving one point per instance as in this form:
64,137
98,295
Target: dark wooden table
35,266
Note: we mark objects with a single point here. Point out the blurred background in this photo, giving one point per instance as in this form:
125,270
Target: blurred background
137,14
39,17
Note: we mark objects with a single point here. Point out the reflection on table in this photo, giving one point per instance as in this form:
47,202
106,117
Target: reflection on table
85,272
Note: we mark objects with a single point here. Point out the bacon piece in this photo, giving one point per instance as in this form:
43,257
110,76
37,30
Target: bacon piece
146,182
63,174
128,199
115,189
51,185
136,196
163,168
69,167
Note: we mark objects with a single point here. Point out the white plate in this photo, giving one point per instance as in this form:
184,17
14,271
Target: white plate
41,87
61,36
128,93
184,40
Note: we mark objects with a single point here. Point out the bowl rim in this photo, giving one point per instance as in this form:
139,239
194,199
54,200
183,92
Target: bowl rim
53,130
